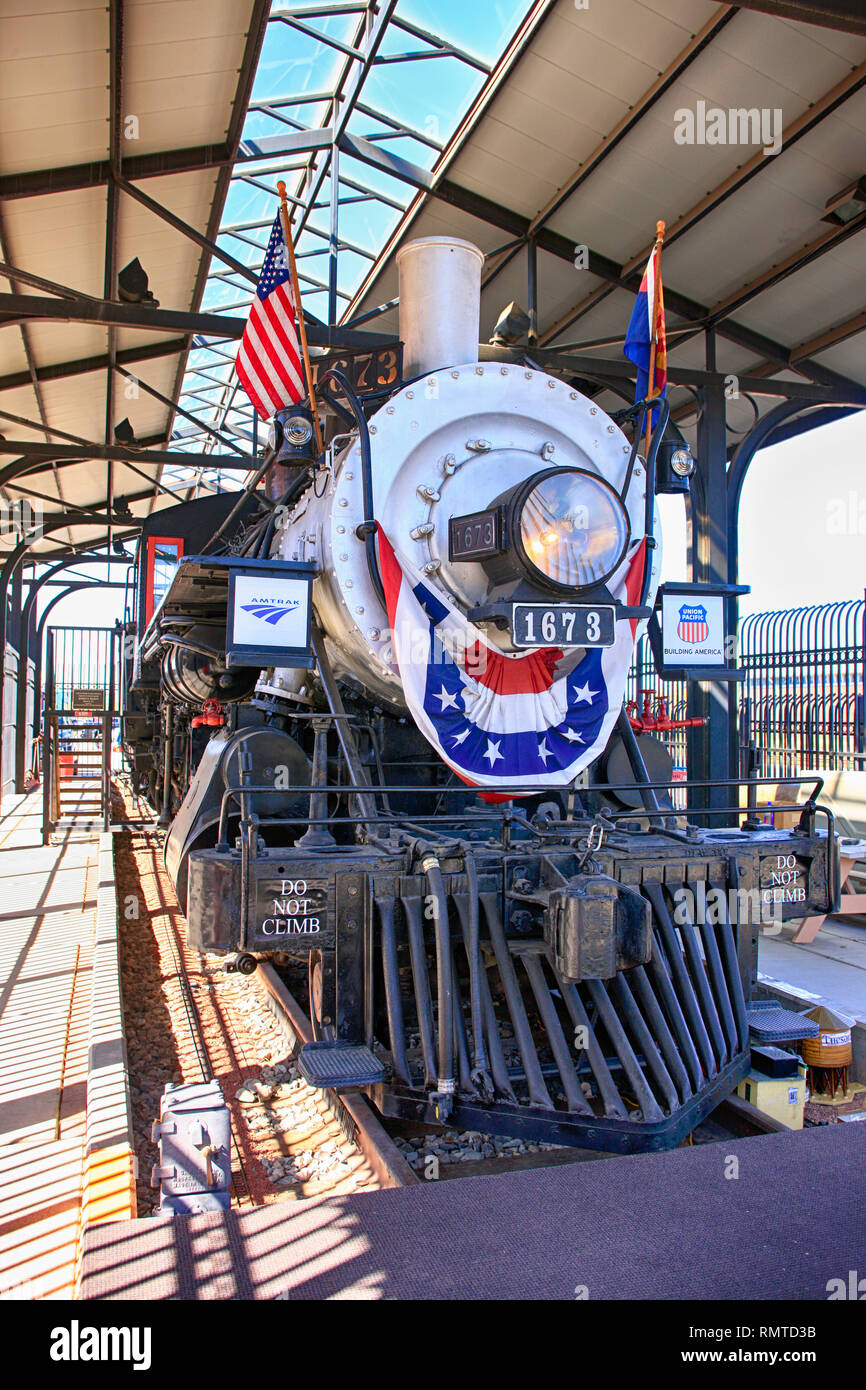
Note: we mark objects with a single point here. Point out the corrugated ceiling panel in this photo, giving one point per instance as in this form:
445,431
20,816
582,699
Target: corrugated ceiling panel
182,70
53,80
60,237
828,292
650,171
20,402
170,258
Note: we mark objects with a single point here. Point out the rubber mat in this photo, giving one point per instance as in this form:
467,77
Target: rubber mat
780,1222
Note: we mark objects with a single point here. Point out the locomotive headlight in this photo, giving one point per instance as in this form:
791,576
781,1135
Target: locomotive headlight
297,430
682,462
290,434
675,465
569,527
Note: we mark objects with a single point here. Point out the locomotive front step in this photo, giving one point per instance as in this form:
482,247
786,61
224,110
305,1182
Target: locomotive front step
336,1066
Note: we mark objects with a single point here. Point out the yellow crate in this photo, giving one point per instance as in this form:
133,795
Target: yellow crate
782,1097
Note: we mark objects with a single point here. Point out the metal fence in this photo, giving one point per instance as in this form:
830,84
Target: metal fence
802,700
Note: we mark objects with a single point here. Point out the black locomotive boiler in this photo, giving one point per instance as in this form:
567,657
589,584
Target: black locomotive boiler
570,958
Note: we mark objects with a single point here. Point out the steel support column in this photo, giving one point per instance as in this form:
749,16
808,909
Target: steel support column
708,745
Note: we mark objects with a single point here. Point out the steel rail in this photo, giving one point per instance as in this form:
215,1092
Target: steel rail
353,1112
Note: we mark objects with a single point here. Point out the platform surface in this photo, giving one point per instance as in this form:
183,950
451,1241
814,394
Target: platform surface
48,930
831,968
660,1226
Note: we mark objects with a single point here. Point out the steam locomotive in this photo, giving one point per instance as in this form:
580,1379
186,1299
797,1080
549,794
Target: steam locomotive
379,705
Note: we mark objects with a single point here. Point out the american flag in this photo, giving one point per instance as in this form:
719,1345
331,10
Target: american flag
268,361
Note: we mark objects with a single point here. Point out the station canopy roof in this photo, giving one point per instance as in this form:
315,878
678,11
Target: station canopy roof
149,131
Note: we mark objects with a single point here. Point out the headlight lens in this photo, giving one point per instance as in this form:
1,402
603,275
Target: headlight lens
297,430
682,463
573,528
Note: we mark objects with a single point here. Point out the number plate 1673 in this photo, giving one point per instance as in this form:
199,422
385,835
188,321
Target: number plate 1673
562,625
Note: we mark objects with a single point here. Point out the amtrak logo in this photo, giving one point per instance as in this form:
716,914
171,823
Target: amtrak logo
271,610
693,626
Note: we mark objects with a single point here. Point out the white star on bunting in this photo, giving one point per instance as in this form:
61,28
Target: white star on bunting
447,700
583,693
493,754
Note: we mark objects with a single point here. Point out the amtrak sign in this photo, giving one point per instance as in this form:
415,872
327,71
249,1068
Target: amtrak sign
269,613
693,631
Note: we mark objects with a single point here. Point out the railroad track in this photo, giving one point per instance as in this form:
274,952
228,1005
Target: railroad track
189,1021
353,1112
348,1119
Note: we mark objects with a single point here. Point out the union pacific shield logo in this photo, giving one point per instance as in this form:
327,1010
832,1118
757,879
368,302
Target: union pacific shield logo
693,626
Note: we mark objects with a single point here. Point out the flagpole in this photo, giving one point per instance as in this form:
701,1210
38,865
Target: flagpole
281,190
657,245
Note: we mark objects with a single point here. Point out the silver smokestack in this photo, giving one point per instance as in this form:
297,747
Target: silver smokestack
440,303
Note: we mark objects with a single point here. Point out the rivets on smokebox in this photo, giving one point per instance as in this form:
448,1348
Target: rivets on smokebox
344,557
343,502
552,385
572,395
374,634
389,410
593,410
410,395
360,610
373,429
427,492
341,530
432,566
455,375
449,464
349,477
424,529
611,429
